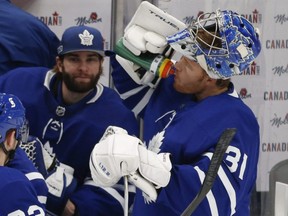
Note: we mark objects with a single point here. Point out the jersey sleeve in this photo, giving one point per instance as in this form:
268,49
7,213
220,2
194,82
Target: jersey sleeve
24,165
93,200
135,96
20,197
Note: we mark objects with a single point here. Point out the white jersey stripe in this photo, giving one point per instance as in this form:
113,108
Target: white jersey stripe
227,184
34,175
113,192
229,188
210,196
42,199
131,92
140,106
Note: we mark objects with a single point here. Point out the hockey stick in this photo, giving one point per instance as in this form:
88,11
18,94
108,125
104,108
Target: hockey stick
126,196
211,174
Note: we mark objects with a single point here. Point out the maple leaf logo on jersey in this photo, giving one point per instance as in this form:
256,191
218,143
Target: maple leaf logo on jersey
156,142
86,38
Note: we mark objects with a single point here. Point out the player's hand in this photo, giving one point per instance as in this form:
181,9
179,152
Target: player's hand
69,209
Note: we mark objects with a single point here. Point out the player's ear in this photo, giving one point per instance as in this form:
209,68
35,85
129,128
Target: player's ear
59,63
11,141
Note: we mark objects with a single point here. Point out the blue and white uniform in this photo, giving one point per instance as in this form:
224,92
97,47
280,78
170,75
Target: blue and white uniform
24,165
71,131
18,196
189,130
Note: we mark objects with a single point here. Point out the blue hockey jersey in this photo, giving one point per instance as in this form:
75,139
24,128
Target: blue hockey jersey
24,165
24,39
189,130
18,196
71,131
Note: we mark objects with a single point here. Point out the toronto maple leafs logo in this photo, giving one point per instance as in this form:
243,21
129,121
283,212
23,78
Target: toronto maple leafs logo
156,142
165,120
86,38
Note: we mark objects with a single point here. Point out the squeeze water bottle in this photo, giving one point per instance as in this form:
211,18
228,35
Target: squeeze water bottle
157,64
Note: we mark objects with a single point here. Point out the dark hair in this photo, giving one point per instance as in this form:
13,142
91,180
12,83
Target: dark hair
209,39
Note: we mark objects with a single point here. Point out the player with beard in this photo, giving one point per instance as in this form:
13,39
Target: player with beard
69,110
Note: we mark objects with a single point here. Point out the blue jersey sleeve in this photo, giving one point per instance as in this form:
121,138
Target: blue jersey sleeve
20,197
29,43
136,97
93,200
24,165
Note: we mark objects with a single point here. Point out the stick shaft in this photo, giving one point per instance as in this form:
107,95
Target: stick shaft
221,147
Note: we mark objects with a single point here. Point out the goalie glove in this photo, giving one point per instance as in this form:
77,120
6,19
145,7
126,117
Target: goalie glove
61,184
144,49
112,158
153,173
113,130
41,158
121,154
148,29
138,40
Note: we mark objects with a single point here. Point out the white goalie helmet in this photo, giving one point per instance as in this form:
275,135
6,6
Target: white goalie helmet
240,43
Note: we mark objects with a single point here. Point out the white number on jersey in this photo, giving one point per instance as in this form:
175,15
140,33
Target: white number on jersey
234,157
31,211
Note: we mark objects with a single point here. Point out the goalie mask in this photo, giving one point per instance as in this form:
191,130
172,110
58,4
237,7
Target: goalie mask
223,43
12,117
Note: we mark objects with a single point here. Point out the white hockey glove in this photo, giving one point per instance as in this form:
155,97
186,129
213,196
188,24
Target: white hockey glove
153,173
112,158
146,34
148,29
120,155
105,170
138,40
61,184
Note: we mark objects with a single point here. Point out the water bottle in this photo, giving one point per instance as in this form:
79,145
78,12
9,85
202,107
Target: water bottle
157,64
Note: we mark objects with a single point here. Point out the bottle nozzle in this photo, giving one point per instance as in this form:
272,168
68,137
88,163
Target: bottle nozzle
166,68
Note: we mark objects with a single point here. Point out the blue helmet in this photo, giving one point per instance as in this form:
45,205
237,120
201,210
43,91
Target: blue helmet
12,116
240,43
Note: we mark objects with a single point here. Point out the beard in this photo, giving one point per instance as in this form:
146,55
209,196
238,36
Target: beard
80,87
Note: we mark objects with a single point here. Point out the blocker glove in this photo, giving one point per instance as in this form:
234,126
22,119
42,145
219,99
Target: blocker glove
119,155
148,29
143,48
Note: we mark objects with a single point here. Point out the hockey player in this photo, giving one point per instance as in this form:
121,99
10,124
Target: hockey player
184,116
68,110
24,40
22,163
18,196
